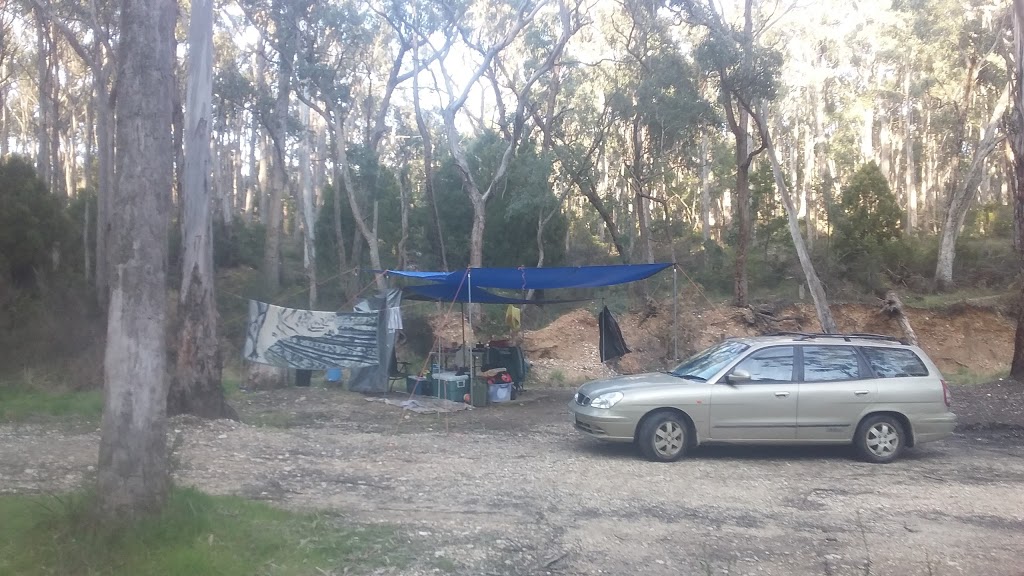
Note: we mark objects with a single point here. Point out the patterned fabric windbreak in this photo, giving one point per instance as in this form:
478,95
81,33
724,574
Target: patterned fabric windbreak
311,340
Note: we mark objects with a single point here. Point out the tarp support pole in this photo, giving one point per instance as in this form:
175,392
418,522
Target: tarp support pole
465,348
675,310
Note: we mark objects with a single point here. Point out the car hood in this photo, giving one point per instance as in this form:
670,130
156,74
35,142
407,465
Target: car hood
631,382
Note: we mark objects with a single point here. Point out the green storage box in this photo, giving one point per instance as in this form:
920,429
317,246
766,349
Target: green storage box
450,386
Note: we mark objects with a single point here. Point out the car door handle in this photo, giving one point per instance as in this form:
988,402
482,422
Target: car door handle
860,392
781,394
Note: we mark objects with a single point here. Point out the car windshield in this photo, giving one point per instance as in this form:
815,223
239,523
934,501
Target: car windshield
706,364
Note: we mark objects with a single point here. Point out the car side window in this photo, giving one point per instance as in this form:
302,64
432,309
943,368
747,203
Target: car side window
894,362
830,363
773,364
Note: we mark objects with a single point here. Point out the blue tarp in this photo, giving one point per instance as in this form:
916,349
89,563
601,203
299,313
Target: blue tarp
450,293
539,278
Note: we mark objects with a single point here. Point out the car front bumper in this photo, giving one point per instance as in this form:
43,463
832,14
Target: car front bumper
933,427
604,424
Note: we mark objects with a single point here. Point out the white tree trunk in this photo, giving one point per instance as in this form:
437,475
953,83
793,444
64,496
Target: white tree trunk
828,324
132,475
44,99
405,194
705,187
961,199
285,37
196,388
368,233
910,175
104,195
308,214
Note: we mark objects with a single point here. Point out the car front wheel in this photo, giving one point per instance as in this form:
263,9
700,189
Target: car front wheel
880,439
662,437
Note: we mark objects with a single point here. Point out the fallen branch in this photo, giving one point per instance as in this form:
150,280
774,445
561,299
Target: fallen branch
893,307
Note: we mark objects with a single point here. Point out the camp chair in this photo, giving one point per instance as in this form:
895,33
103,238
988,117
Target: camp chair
397,371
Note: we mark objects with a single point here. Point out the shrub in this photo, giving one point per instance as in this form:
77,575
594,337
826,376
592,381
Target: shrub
866,224
33,226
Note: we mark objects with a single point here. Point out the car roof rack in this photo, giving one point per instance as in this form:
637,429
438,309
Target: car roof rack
847,337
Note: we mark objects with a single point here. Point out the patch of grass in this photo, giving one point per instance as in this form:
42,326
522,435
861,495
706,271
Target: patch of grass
21,401
231,382
195,534
943,300
964,376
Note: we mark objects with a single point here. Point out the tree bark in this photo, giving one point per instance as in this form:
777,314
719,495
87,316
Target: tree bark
828,324
285,41
339,236
196,388
910,175
590,191
1016,140
963,196
308,212
45,100
705,187
428,157
404,197
808,184
368,232
132,475
105,157
741,133
639,194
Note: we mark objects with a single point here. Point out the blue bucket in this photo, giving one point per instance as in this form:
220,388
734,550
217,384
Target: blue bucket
334,374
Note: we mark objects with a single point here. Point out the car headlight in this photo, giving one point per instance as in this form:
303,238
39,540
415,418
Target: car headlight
606,400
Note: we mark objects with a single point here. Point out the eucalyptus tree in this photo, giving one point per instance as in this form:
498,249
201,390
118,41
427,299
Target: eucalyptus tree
91,31
656,102
196,386
963,187
283,21
747,77
343,48
743,73
544,108
8,49
423,26
494,21
1015,130
133,477
578,146
240,104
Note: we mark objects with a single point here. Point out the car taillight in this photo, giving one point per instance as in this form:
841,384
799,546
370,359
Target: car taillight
946,395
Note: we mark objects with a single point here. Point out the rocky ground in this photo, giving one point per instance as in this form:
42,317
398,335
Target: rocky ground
513,489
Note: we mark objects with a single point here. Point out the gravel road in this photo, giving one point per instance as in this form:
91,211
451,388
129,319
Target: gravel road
514,490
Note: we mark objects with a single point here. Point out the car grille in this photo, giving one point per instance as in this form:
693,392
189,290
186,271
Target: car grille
582,399
589,428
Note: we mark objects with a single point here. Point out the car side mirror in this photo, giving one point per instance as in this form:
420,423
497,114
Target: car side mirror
737,376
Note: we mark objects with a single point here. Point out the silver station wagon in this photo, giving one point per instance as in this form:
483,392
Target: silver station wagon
788,388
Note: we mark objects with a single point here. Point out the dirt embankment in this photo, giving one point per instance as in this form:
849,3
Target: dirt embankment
961,338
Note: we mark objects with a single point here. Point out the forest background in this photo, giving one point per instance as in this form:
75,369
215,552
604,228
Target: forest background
773,150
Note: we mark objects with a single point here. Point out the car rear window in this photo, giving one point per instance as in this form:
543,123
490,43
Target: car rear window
830,363
894,362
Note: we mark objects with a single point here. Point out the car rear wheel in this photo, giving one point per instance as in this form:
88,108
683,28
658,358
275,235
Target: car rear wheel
880,439
662,437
